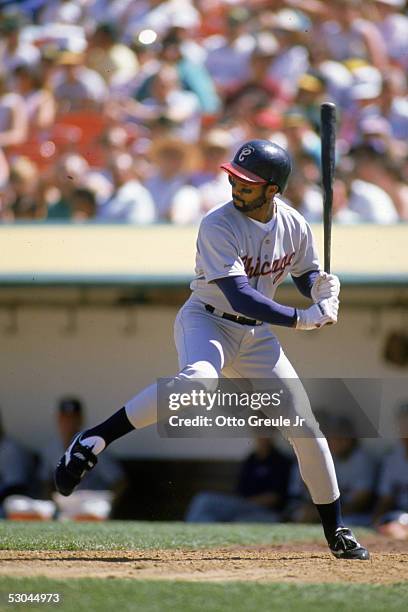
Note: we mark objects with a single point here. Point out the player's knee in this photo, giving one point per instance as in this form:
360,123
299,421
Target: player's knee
202,373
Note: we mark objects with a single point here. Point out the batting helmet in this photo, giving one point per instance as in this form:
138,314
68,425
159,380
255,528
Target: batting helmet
261,162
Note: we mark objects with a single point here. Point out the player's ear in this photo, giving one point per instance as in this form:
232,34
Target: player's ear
271,191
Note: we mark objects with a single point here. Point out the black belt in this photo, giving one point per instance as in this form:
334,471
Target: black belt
230,317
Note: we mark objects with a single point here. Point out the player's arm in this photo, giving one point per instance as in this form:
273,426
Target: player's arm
251,303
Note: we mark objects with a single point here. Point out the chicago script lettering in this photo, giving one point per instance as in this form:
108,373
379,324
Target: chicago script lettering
255,268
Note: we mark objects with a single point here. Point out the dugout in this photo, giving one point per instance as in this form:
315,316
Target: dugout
88,310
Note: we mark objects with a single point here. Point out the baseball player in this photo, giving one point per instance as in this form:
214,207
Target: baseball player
245,249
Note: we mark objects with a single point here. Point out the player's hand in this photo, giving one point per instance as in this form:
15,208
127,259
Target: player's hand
325,286
318,315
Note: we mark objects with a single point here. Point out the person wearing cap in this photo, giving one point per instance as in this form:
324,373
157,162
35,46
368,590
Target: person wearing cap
355,469
16,467
391,512
245,249
77,87
175,199
69,417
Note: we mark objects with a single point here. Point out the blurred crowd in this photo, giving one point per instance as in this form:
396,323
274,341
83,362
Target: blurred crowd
123,110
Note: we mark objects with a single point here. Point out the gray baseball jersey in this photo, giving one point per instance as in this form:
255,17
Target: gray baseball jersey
232,244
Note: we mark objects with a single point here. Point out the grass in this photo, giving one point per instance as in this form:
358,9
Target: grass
123,535
89,595
125,594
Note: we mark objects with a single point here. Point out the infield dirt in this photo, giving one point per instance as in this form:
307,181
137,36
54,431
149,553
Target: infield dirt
310,563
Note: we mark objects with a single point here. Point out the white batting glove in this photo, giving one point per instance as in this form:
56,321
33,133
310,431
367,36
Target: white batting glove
325,286
318,315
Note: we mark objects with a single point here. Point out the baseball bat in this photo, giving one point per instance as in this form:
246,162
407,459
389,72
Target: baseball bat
328,141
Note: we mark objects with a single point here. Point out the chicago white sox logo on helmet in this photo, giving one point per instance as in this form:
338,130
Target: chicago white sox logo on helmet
247,150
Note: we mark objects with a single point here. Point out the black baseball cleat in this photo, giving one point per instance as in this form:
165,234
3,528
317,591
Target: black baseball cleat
73,465
345,546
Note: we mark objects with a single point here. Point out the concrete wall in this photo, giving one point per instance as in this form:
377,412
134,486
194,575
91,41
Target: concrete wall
104,357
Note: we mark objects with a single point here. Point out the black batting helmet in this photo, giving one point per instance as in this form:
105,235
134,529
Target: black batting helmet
261,162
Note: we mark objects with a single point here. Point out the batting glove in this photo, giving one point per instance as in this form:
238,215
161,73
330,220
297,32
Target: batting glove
318,315
325,286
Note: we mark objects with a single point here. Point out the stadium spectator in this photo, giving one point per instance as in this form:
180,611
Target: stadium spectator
348,34
305,196
160,16
228,53
174,197
83,205
77,87
260,493
16,466
391,511
70,173
393,27
212,183
367,198
4,177
192,73
13,116
39,100
13,50
146,52
393,105
108,475
21,197
113,60
162,98
310,94
63,11
301,138
290,28
355,471
130,201
259,89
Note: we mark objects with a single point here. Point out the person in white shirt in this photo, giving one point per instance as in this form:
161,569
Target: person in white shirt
175,199
130,201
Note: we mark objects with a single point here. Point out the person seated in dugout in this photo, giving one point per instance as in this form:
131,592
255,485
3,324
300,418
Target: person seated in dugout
16,466
260,492
391,511
108,474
